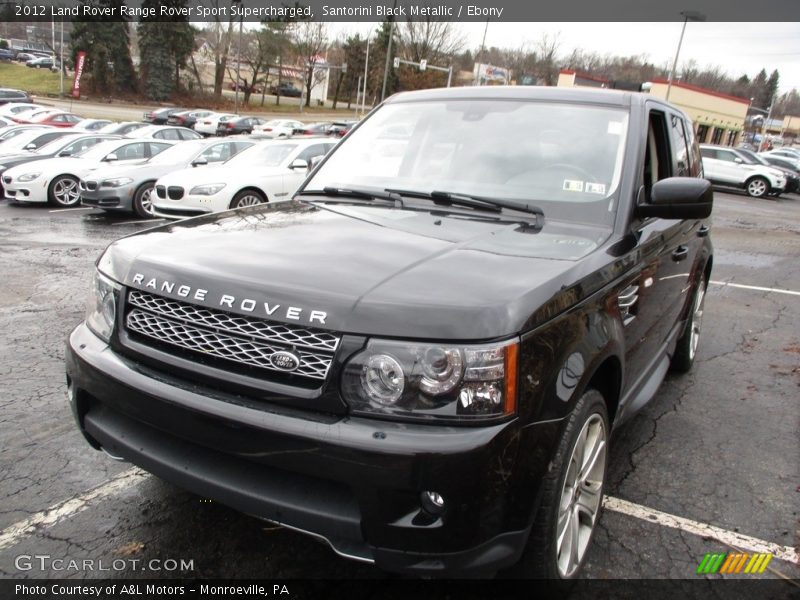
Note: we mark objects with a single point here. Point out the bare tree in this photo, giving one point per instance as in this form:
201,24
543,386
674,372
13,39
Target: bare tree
310,42
434,41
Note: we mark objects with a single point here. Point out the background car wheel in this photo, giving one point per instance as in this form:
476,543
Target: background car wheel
686,348
247,198
572,494
757,187
143,201
63,191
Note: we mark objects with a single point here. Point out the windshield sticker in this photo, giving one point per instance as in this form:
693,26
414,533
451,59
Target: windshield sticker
571,185
595,188
615,127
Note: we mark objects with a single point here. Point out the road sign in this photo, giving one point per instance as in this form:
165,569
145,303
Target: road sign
423,64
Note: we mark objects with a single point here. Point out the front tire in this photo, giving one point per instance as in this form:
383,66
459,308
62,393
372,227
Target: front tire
63,191
757,187
686,349
572,494
247,198
143,200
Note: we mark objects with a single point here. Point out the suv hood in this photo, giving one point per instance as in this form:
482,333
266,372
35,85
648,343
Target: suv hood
368,269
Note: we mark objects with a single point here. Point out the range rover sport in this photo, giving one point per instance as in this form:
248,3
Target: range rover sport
422,357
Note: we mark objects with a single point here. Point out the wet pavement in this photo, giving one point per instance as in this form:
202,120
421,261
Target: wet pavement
718,446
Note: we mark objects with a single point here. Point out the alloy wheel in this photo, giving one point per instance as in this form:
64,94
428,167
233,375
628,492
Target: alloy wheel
581,495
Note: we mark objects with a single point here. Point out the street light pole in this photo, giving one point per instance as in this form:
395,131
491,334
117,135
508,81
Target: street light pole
688,15
366,68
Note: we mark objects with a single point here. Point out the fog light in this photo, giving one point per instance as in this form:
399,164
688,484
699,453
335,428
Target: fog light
432,502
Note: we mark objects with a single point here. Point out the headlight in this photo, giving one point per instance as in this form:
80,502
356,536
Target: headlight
432,381
206,190
28,177
101,312
115,183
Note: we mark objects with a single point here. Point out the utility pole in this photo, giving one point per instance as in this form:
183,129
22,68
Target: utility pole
388,53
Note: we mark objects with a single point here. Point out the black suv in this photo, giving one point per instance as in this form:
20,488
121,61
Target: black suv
426,361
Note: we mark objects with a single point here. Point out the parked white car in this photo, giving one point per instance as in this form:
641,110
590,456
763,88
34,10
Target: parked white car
787,154
15,108
55,180
268,172
278,128
208,125
729,167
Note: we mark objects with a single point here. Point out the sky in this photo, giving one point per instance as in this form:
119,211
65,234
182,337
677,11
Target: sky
734,48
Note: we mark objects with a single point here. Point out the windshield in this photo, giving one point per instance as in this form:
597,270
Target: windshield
262,155
565,158
183,152
56,145
98,151
19,142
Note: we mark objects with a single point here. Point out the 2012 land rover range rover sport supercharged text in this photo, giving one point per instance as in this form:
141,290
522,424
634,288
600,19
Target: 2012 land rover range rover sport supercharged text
422,357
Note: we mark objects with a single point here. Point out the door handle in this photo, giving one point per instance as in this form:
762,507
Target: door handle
680,253
703,231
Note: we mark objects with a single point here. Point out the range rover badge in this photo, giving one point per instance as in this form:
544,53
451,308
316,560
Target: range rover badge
285,361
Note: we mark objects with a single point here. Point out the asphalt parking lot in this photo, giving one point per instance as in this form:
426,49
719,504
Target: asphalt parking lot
711,465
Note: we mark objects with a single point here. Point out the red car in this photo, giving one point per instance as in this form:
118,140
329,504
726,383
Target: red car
54,118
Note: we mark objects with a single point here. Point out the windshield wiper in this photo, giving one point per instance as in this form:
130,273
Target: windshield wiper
365,193
479,202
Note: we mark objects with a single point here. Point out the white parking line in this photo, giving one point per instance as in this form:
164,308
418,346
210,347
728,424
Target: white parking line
754,287
69,209
729,538
69,508
135,222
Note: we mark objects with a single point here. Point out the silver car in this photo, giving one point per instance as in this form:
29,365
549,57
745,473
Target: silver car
129,188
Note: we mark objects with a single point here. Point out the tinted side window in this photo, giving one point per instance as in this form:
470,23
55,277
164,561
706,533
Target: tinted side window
131,151
312,151
156,147
680,149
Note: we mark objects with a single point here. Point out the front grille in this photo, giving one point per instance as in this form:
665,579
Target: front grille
161,191
175,192
90,185
244,340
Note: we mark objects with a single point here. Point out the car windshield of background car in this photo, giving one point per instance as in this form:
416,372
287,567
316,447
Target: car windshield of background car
262,155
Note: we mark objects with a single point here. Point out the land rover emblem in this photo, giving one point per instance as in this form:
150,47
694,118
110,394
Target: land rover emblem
285,361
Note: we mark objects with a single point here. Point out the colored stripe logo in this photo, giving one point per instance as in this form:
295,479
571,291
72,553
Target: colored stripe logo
734,563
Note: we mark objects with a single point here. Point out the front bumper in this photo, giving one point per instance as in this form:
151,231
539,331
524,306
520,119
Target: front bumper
190,206
120,198
34,191
354,482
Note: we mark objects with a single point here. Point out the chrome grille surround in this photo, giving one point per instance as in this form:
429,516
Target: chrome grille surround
244,340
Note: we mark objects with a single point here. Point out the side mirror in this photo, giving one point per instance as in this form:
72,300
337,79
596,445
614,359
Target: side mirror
65,153
315,160
679,198
199,162
738,160
298,163
111,157
30,146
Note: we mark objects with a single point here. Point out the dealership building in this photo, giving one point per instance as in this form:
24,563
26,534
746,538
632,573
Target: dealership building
718,118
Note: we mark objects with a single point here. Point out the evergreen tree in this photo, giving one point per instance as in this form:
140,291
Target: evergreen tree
107,46
164,48
772,87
